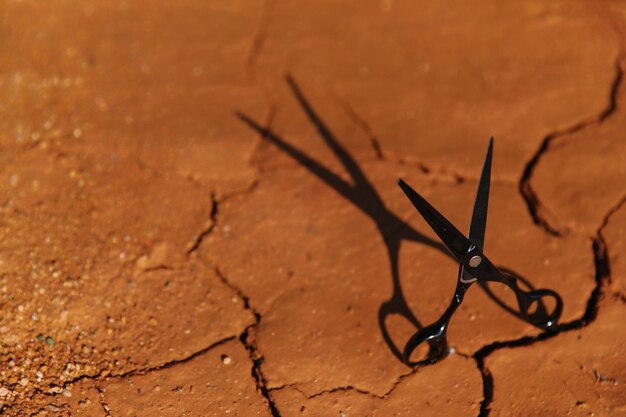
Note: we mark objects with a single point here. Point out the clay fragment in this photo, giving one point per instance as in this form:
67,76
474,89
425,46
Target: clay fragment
580,372
454,388
204,385
581,177
319,297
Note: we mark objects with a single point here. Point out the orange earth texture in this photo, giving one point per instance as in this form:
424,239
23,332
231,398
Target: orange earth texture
199,214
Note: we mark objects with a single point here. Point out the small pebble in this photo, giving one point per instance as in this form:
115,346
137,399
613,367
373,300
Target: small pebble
226,360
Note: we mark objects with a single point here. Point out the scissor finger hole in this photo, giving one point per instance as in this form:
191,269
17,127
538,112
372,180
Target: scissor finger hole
504,296
421,354
398,327
547,310
501,293
428,352
549,304
533,308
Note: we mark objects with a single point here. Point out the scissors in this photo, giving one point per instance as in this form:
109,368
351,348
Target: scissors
474,266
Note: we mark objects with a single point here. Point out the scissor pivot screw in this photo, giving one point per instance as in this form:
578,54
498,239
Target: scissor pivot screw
475,261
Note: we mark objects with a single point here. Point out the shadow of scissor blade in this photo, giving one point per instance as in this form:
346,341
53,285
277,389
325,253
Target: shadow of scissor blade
330,178
335,146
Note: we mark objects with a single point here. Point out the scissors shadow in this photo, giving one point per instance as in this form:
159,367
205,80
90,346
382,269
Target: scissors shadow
363,195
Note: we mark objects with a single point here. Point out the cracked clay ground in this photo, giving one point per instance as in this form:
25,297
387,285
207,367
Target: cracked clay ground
199,216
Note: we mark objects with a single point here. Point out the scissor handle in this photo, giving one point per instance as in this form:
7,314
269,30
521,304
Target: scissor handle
533,308
435,336
531,305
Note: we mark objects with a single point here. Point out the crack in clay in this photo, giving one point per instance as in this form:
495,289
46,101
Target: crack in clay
611,211
135,372
42,411
167,365
598,246
435,176
208,230
602,278
101,399
249,343
540,214
396,383
339,389
438,175
343,388
259,39
383,396
266,129
605,221
215,203
364,126
248,189
144,371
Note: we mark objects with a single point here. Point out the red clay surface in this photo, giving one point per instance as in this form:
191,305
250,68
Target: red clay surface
159,256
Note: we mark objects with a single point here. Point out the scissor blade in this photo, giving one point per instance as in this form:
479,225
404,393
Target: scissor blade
478,224
458,244
479,216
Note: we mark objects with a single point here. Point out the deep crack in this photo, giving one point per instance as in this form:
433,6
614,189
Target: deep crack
208,230
538,211
248,341
540,217
487,388
602,278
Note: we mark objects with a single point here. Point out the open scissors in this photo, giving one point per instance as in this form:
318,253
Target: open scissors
475,266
